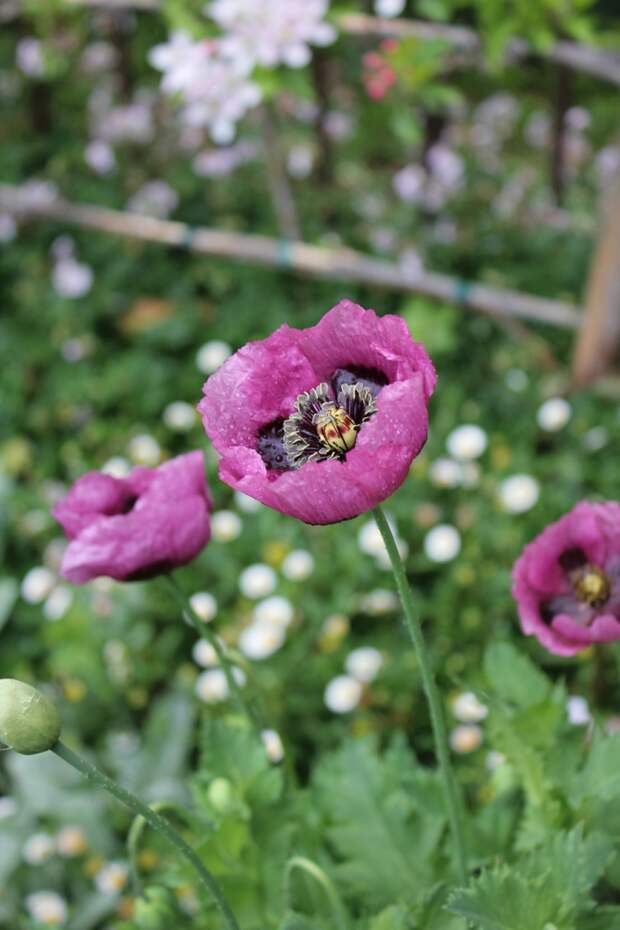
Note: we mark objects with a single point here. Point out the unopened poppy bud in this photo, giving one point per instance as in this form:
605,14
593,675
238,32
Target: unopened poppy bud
29,721
156,909
221,795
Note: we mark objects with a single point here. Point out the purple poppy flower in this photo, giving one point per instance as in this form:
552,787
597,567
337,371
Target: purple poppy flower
567,581
322,423
136,527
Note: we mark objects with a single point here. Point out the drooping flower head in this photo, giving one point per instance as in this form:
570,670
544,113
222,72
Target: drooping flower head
322,423
567,581
135,527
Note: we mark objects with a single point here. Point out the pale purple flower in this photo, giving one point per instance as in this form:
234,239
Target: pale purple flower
71,278
220,162
409,183
98,56
8,227
446,166
29,57
607,163
130,122
154,198
99,156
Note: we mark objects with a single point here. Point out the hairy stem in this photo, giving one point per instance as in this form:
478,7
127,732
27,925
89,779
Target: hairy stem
341,921
412,623
204,630
154,820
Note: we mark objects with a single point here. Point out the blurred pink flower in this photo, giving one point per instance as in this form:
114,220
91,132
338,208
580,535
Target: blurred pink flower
322,423
379,75
135,527
567,581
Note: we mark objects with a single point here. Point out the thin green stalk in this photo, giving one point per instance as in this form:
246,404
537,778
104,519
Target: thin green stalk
453,802
341,920
154,820
203,629
135,835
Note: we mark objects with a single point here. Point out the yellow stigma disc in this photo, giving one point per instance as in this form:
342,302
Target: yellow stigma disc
336,429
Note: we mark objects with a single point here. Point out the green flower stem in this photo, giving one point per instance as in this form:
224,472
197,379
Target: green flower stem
154,820
453,802
135,835
341,921
203,629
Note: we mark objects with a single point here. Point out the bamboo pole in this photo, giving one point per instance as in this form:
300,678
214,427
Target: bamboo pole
599,334
335,264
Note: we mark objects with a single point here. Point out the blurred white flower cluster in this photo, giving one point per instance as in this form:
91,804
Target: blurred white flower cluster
212,75
271,32
214,87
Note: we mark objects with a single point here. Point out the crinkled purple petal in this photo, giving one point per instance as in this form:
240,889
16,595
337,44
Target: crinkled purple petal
540,582
261,383
167,524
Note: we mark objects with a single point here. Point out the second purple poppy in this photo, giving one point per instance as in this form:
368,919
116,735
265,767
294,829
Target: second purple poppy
322,423
567,581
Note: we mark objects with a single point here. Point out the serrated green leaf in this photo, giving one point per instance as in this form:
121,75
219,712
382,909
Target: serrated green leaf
502,899
600,776
384,820
550,886
513,676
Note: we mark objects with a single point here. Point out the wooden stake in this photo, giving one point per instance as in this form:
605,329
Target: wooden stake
599,334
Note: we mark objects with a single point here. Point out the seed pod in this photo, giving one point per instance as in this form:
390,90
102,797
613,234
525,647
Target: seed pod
29,721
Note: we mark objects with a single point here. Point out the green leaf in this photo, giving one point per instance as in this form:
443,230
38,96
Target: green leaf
233,752
395,917
513,676
385,819
600,776
604,918
550,885
501,899
294,921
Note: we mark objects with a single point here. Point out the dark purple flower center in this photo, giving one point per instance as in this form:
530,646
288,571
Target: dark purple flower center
122,507
325,422
592,588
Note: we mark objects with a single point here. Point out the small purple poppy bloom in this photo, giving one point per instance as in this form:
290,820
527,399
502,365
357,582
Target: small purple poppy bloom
567,581
322,423
136,527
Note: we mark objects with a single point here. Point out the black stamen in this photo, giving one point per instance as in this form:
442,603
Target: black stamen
270,446
371,378
572,559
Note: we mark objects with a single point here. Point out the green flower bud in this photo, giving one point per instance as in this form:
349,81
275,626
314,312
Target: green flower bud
157,909
221,795
29,721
